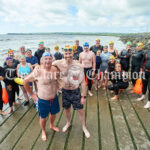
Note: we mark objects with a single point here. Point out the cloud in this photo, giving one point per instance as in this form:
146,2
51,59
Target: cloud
84,13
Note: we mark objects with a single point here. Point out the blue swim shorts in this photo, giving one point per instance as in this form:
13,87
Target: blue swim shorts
48,106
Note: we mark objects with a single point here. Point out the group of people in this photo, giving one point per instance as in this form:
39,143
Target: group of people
69,72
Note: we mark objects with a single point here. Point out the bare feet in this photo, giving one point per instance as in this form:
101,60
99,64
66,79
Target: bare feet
65,128
10,111
86,132
95,88
111,92
131,91
90,93
2,113
44,136
15,104
141,98
114,98
54,128
147,105
104,88
19,98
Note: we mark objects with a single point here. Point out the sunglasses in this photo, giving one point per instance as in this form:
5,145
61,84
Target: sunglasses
117,66
68,49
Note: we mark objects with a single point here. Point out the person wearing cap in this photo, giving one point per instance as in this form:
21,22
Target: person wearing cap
145,69
97,71
87,59
124,56
75,52
112,50
1,100
15,63
23,70
111,68
31,59
105,55
46,98
136,63
57,54
97,46
11,54
72,74
40,51
22,52
10,74
79,48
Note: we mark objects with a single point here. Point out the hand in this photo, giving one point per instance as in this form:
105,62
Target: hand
93,73
9,87
141,72
83,100
34,97
125,56
1,78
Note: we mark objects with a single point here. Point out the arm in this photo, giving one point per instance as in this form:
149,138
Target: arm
80,59
94,64
116,51
30,66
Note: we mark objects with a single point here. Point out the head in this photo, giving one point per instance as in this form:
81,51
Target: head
68,53
10,53
9,61
47,59
41,45
97,41
111,44
56,48
29,53
77,42
22,59
139,46
128,45
74,48
86,46
112,59
105,48
98,53
22,50
118,67
47,49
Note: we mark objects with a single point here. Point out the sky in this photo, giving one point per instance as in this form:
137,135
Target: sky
26,16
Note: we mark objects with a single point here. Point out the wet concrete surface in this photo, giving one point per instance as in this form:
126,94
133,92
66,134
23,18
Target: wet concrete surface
120,125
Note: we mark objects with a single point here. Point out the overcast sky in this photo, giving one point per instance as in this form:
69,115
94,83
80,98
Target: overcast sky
74,16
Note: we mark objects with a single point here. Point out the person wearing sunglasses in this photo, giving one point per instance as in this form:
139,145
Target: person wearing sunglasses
120,81
72,76
88,59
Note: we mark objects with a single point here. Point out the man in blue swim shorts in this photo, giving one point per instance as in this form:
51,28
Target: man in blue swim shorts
47,78
72,75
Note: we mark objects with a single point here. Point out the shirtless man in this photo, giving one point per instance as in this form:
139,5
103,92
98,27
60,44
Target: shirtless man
87,59
46,98
72,76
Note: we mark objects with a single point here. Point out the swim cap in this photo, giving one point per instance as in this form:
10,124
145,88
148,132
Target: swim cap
10,51
47,49
74,47
56,48
47,54
8,58
140,45
106,46
41,43
111,43
112,57
86,44
28,50
129,43
76,40
22,56
98,39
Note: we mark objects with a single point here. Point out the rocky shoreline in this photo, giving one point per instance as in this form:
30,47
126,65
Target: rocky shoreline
135,38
